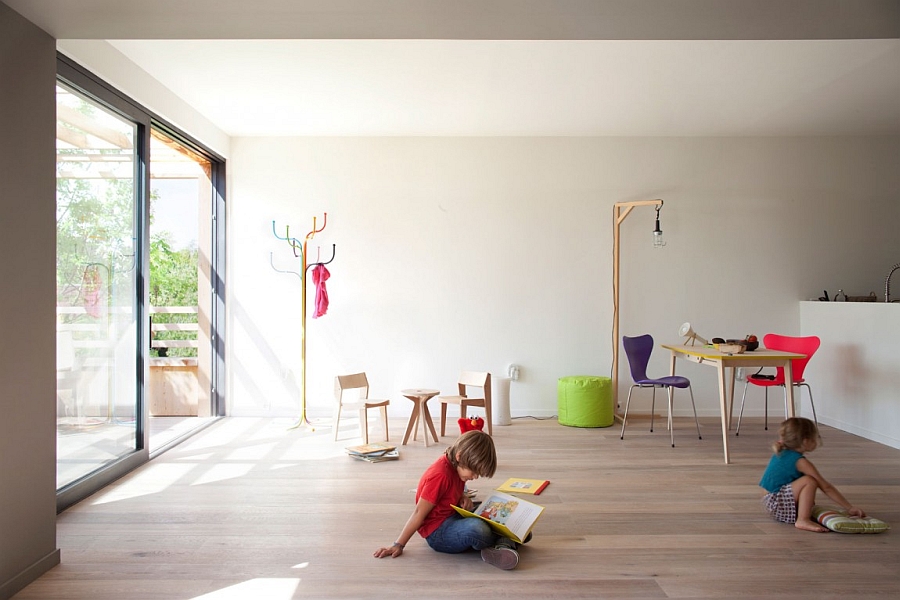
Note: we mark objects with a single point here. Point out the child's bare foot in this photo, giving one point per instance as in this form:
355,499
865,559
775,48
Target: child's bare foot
809,525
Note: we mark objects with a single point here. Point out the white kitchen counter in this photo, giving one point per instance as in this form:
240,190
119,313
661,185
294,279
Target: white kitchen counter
855,375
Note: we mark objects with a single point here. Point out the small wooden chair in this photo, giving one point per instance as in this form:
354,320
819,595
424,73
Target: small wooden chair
469,379
362,403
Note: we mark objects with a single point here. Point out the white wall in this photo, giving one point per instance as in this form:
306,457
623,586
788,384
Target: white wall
855,375
471,253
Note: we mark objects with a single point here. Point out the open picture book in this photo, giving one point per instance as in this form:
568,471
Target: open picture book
507,515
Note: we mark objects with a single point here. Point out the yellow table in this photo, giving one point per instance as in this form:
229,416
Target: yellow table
707,355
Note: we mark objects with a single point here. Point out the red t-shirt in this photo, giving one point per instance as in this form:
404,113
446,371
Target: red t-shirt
440,485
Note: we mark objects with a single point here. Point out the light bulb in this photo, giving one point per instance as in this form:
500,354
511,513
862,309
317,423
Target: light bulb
658,241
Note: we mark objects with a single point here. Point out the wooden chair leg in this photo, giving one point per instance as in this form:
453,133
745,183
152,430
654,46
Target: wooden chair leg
387,436
463,409
487,417
364,425
443,419
337,421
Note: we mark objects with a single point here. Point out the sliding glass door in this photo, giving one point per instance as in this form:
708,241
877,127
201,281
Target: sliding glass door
179,385
99,220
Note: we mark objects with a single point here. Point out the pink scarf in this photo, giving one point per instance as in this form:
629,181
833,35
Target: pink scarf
319,275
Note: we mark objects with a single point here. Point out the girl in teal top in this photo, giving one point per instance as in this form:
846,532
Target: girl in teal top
791,481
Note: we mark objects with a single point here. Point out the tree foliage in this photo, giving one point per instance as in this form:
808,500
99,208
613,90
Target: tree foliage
173,282
96,256
94,233
97,251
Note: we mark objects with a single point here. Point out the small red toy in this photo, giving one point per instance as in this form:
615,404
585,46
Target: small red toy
471,424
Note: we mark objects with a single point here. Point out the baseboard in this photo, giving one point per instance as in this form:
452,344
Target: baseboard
20,581
875,436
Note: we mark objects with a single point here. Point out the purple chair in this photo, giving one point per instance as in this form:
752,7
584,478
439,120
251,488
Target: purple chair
638,350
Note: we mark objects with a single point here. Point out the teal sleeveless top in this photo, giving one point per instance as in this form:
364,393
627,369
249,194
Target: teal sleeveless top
782,469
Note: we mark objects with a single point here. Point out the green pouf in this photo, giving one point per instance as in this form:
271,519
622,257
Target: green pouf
585,401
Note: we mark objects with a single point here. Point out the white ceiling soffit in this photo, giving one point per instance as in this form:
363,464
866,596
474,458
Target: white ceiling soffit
532,88
465,19
467,67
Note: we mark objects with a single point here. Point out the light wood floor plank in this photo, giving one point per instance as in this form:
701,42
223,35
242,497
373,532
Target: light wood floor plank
250,509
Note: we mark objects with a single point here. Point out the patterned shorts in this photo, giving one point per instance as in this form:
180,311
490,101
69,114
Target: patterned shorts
781,505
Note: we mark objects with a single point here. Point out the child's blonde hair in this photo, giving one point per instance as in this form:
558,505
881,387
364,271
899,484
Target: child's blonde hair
476,453
793,432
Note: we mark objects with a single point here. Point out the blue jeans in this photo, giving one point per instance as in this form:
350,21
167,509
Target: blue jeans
458,534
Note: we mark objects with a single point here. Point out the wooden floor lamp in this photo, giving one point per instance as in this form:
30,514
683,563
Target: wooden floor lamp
620,212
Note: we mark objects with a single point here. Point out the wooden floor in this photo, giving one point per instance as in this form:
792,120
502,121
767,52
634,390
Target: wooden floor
249,509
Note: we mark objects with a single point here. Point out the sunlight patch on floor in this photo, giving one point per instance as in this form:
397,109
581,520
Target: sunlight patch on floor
196,457
270,589
255,452
224,471
151,479
222,434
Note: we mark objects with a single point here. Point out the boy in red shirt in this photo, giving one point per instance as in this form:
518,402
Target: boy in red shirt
442,485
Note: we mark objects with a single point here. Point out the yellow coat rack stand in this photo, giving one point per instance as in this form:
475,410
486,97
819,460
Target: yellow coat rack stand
300,251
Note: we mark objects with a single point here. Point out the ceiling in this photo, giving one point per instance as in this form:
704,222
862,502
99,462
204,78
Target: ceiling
510,67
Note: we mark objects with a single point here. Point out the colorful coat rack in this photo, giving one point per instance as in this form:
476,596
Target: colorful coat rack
296,246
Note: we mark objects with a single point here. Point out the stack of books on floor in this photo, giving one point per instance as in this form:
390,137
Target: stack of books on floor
375,452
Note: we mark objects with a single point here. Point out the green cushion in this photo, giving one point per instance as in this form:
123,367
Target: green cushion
585,401
837,520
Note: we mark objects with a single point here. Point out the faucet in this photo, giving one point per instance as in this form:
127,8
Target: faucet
887,283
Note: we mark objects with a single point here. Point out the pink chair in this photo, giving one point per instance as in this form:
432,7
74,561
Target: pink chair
801,345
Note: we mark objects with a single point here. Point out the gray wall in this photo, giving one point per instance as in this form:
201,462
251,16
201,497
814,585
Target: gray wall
27,293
